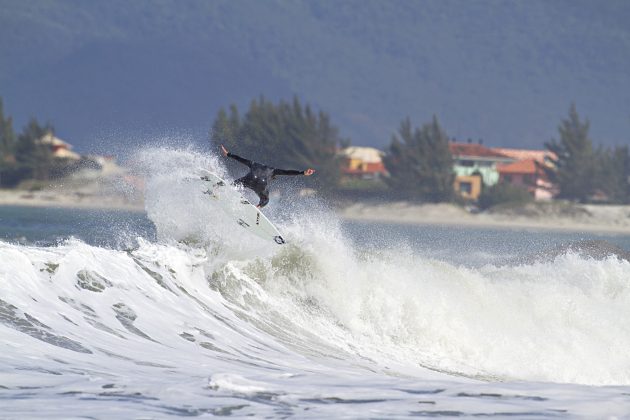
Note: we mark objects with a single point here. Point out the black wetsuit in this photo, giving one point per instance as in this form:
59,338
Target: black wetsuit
259,177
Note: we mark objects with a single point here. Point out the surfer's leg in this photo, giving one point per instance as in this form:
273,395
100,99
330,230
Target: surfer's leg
264,198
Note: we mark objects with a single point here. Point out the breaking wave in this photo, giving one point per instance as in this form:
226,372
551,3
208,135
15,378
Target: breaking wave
207,293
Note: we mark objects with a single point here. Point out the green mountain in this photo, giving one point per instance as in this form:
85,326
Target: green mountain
504,71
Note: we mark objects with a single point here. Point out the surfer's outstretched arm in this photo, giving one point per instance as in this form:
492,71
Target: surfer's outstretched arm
307,172
237,158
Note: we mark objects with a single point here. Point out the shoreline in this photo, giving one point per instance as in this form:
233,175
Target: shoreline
54,199
499,225
605,219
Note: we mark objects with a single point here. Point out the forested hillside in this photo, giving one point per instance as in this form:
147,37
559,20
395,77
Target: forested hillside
502,71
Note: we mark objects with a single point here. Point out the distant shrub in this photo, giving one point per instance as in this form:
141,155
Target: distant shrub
503,193
363,185
32,185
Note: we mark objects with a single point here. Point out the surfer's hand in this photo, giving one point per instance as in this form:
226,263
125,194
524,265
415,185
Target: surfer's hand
309,172
224,151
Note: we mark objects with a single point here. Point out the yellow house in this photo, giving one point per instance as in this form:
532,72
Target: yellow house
468,186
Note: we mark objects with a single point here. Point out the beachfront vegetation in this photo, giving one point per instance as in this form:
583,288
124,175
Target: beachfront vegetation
575,165
615,173
22,156
503,193
583,173
7,135
284,135
420,164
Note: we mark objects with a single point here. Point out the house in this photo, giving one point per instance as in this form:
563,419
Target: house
362,163
541,156
60,149
474,165
528,171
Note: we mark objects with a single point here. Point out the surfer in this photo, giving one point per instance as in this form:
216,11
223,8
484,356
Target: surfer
259,176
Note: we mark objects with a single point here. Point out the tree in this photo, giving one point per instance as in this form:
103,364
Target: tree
7,149
613,177
7,135
25,156
420,163
225,129
574,168
34,159
284,135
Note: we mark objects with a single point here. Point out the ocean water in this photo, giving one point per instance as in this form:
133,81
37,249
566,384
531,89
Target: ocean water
180,313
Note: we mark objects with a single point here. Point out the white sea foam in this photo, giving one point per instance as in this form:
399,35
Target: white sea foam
222,323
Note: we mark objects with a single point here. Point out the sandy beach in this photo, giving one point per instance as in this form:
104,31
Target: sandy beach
70,199
547,216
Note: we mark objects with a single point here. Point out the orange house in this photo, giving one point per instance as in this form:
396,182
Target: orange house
527,171
529,174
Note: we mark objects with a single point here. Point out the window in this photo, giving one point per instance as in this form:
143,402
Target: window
465,188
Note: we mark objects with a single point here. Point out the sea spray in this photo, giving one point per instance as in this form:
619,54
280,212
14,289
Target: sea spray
544,321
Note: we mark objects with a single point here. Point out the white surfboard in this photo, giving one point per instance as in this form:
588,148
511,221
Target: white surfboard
244,213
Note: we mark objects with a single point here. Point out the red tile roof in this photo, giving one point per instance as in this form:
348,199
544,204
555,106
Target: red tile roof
527,166
474,150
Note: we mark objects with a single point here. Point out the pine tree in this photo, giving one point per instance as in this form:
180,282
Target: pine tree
7,136
574,171
420,163
613,176
440,177
34,159
225,129
401,160
7,150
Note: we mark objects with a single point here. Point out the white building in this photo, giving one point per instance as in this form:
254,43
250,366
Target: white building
60,149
